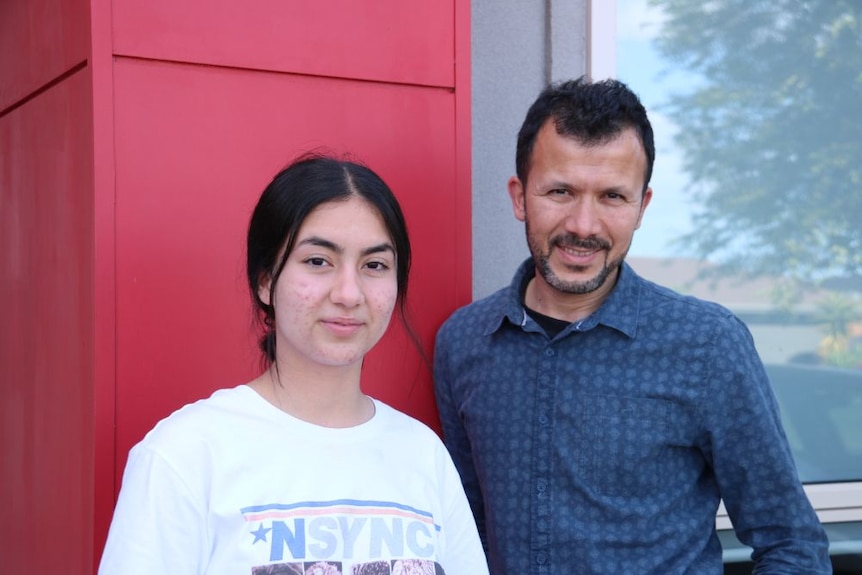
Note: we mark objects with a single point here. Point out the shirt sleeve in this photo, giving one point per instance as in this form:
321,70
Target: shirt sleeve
158,526
753,463
454,434
463,553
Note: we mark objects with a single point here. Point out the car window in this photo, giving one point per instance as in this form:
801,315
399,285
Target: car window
821,411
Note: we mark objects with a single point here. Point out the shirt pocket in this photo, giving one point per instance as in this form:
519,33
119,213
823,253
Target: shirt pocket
626,444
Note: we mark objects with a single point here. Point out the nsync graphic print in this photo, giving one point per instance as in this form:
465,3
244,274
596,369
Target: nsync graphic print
343,537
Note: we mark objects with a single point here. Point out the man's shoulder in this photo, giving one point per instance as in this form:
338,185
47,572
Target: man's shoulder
657,300
478,314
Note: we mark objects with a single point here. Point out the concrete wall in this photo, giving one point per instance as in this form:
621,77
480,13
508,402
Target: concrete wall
517,48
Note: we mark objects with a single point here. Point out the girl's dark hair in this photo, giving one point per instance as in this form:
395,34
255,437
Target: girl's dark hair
309,181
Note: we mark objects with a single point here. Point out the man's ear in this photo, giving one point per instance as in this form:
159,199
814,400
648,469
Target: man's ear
647,196
516,194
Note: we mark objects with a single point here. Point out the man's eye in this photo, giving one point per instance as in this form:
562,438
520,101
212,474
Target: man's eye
316,262
616,197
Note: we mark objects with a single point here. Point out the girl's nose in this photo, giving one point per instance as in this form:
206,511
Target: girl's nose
347,290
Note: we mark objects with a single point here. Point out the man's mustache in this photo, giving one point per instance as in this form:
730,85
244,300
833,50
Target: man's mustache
574,242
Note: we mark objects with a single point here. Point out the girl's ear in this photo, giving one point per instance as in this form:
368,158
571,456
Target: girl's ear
264,291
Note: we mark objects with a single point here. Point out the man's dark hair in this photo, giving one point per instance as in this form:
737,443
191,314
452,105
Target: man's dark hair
591,112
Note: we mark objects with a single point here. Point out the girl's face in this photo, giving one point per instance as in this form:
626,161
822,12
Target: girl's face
336,293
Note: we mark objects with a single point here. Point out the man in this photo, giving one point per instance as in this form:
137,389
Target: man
597,418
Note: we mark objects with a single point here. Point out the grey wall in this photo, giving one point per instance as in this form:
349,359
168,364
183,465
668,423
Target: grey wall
518,46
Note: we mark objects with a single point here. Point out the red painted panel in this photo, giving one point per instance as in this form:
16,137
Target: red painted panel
46,340
388,40
462,267
195,146
101,66
39,41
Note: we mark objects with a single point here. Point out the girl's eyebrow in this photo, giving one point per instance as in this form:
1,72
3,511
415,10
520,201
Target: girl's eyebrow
379,248
321,243
332,246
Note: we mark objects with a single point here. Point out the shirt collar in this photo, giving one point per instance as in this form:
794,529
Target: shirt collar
619,310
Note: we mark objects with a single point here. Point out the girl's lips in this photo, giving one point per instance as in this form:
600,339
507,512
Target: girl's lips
343,326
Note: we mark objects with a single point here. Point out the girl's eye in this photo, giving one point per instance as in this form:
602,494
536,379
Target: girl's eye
378,266
316,262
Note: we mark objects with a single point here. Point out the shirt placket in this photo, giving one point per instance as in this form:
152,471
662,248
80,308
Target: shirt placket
540,541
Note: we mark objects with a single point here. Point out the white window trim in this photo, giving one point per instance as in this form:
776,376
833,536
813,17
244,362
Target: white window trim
602,45
833,502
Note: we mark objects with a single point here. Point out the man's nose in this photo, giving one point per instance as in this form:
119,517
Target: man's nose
583,218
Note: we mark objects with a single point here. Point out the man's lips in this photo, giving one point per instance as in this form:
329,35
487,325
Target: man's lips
578,252
578,255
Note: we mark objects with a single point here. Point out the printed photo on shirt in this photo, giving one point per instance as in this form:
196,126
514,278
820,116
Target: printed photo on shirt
323,568
278,569
371,568
416,567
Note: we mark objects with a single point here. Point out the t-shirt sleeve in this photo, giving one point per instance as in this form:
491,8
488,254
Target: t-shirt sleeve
159,524
463,552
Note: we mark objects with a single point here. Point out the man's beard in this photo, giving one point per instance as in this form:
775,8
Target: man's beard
543,265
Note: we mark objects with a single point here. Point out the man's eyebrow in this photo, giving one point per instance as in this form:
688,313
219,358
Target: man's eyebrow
332,246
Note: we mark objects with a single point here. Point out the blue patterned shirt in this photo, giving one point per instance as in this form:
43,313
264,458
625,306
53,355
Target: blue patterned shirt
607,448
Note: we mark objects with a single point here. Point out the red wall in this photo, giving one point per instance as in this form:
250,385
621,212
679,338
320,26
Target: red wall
46,289
46,342
135,138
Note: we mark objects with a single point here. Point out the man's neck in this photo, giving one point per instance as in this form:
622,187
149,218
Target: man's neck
547,300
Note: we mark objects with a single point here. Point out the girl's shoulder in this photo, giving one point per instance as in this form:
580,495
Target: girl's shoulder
205,420
404,427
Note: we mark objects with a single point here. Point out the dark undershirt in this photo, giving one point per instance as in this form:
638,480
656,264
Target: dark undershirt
551,325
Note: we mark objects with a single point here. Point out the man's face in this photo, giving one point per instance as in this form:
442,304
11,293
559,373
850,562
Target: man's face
581,206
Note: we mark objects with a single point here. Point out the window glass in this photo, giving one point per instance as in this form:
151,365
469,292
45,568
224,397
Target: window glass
757,204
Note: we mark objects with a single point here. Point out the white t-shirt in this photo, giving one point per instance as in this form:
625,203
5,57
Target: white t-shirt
231,485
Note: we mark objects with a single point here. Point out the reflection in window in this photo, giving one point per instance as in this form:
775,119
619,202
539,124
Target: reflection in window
757,108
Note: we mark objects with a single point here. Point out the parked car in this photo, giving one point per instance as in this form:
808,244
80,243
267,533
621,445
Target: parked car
821,409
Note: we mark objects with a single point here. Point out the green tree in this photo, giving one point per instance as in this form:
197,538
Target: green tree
771,131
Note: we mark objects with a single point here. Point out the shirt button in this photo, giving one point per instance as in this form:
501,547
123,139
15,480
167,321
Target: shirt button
549,352
541,558
543,419
541,485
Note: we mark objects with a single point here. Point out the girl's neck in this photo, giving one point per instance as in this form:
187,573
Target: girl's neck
330,397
